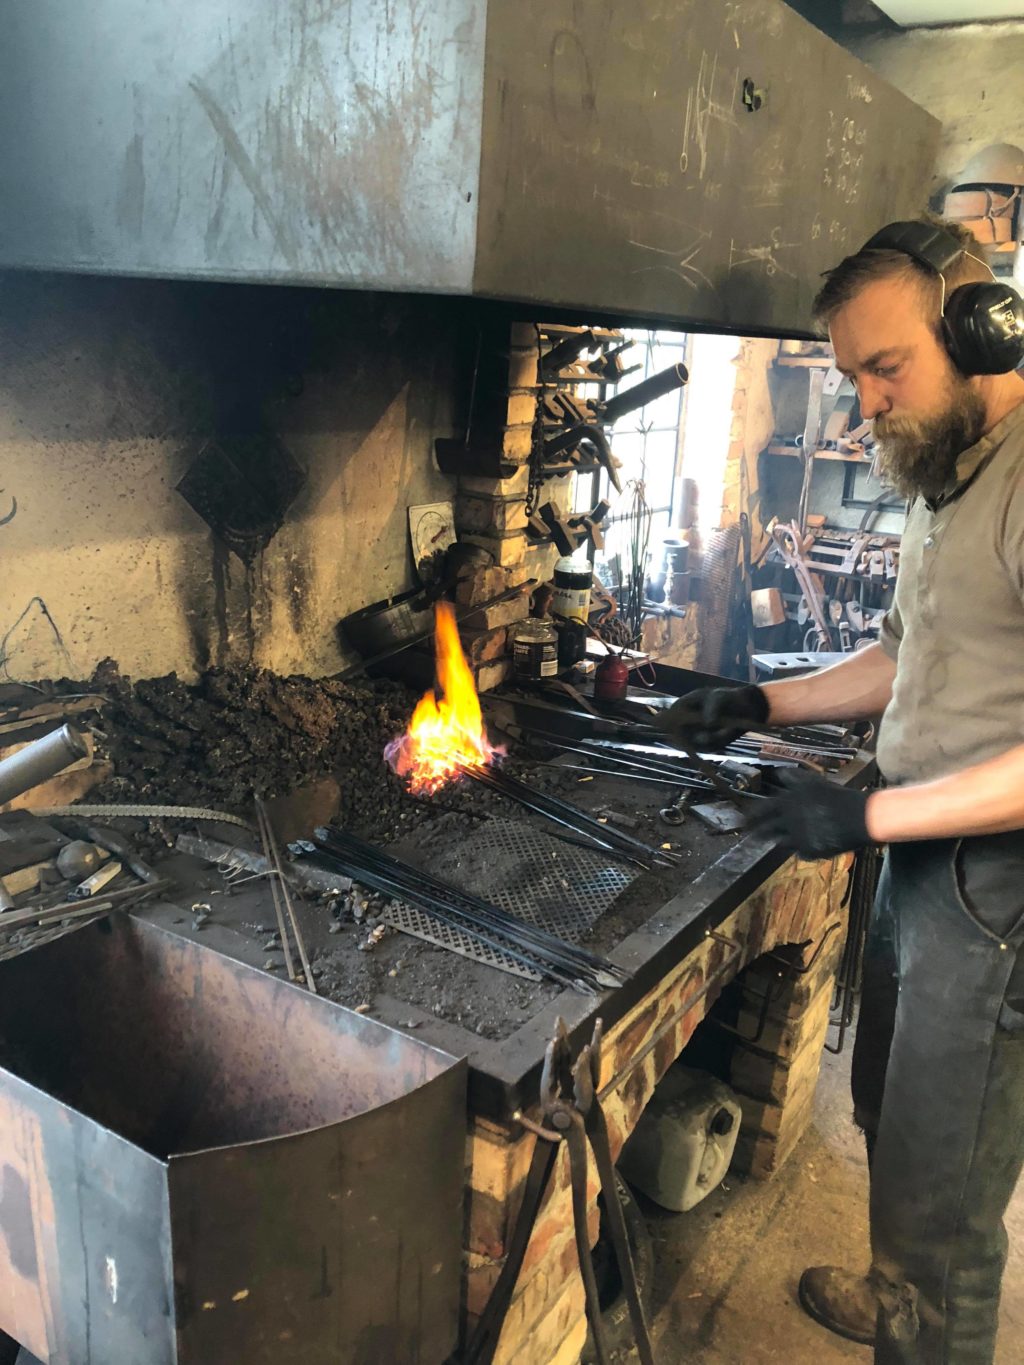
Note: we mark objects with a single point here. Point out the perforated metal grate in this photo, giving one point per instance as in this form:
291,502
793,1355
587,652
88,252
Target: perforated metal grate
540,879
415,922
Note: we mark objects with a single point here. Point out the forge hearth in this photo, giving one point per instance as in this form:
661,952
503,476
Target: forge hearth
685,934
241,733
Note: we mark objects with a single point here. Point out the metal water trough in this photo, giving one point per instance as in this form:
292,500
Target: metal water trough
202,1164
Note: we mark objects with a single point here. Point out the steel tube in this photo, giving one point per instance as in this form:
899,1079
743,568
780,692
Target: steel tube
37,762
645,392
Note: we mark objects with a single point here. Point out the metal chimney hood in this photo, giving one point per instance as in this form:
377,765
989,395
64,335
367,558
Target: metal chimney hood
696,162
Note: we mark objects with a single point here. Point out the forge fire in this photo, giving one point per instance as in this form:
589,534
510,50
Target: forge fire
446,734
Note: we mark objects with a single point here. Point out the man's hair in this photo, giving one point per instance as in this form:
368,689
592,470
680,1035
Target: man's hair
856,272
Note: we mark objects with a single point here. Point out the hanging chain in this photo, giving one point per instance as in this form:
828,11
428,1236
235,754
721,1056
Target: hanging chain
536,474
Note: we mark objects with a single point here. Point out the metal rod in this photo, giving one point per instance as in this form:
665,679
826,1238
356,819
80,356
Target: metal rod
407,877
282,928
554,808
300,942
113,900
667,771
646,767
710,772
653,779
438,911
597,841
584,839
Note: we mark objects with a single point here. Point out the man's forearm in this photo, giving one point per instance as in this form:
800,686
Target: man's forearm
859,688
987,798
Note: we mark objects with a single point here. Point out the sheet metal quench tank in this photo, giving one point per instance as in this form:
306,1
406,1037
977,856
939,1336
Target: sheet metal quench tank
202,1164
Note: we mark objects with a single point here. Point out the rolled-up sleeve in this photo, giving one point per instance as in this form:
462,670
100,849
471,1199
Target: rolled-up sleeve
891,633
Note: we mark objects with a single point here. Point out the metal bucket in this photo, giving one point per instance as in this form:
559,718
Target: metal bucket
201,1164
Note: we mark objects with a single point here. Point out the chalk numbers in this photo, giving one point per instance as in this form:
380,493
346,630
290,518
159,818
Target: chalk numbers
844,157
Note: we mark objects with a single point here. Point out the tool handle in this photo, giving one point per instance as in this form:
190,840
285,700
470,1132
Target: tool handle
646,392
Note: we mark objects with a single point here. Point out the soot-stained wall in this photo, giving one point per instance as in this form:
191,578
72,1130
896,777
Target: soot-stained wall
110,388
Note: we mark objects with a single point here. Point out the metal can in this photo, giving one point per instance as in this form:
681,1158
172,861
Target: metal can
534,650
572,642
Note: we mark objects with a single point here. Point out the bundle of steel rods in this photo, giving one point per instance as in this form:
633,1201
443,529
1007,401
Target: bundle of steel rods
666,770
604,837
284,908
525,943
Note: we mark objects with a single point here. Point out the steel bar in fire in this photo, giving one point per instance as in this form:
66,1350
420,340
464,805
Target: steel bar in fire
446,740
561,812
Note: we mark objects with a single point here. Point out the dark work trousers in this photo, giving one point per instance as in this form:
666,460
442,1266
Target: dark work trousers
938,1088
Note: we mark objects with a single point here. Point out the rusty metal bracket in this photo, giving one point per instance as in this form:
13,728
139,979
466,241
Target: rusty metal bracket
748,1040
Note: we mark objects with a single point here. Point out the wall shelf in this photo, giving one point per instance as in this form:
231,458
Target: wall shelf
820,454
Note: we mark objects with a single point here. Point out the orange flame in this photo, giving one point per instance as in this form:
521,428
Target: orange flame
448,735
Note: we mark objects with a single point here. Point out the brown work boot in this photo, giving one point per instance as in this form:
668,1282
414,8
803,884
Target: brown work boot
845,1303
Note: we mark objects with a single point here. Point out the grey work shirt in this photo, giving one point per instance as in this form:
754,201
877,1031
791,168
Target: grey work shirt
956,626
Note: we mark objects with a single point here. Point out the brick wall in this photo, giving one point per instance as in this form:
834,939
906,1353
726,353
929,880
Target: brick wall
490,511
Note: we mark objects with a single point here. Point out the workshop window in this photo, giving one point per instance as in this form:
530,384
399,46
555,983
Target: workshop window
647,442
707,422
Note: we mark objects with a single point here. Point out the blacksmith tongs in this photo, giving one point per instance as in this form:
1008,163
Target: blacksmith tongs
570,1105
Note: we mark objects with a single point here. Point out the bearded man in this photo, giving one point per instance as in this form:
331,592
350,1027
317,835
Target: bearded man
930,343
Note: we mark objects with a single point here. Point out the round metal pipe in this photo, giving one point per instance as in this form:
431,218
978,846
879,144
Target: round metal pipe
37,762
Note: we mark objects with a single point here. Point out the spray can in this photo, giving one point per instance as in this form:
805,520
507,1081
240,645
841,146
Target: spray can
572,589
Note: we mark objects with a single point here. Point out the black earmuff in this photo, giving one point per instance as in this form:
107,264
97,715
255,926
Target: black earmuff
982,323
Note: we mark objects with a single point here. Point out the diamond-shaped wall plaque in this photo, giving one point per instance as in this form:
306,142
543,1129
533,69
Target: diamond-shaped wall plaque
242,486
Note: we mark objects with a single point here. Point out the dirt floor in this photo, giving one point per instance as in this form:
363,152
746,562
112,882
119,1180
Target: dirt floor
725,1287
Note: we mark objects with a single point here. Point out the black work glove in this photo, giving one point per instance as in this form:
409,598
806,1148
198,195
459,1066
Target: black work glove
814,817
713,716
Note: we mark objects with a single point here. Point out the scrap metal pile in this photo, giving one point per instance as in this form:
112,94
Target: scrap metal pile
59,874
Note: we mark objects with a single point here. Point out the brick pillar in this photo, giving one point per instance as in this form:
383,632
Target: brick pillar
782,1024
546,1319
491,511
